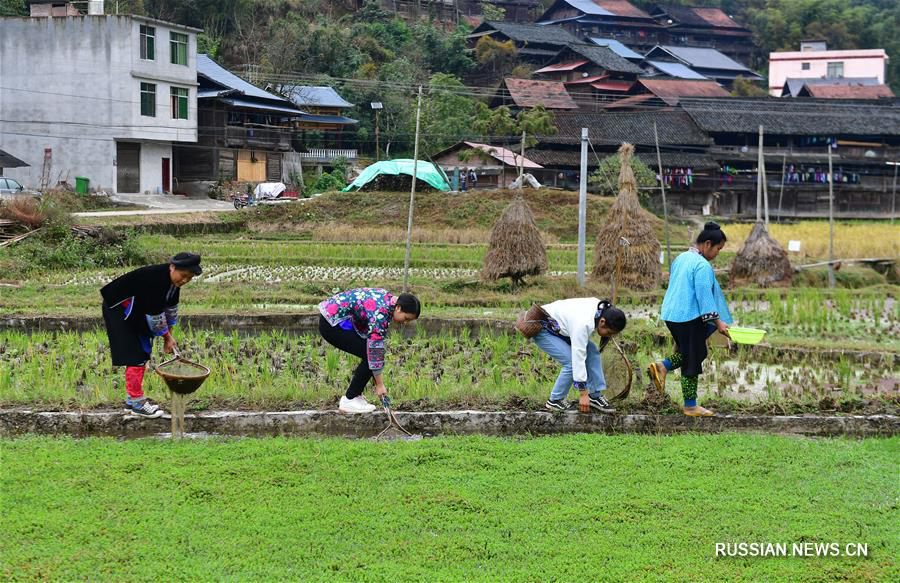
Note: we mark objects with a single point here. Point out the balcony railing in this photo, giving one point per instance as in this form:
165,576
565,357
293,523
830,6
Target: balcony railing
255,137
327,155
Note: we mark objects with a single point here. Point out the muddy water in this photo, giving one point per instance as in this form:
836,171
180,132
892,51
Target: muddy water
752,382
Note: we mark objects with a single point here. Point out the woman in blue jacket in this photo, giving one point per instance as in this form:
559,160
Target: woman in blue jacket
694,308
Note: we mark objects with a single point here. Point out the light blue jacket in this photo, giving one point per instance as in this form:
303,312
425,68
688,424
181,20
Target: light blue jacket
693,291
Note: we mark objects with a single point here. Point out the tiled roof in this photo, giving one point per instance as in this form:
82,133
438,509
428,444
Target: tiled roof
7,160
530,93
674,127
529,33
802,117
571,158
309,96
621,8
669,90
605,58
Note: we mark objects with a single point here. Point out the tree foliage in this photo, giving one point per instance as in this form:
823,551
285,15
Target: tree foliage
606,176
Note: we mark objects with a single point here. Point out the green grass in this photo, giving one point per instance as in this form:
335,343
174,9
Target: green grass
576,508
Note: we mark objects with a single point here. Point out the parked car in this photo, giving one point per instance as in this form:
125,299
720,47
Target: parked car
10,188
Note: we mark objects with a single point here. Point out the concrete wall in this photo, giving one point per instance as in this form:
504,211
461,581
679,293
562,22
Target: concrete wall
73,85
151,166
859,63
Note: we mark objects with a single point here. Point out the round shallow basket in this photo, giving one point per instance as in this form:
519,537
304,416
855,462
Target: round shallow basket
182,376
746,335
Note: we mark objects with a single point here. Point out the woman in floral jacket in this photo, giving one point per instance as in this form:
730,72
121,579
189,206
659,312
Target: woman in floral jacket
356,321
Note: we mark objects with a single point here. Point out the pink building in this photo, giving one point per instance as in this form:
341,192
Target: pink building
815,61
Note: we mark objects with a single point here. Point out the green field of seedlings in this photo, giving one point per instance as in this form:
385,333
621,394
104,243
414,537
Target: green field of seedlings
281,370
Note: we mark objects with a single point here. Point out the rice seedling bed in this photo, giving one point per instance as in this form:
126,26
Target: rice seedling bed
280,369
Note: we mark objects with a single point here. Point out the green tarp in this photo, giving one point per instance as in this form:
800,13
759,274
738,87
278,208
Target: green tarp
425,171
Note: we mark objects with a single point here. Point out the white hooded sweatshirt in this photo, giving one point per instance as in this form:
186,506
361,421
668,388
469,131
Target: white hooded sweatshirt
576,320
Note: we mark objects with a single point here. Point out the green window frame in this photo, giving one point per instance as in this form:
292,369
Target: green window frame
179,102
178,48
148,99
148,42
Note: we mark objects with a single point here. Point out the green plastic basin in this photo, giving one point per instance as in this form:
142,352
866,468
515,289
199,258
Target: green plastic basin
746,335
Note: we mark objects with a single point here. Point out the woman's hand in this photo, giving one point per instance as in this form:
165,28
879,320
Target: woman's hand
169,345
722,327
584,402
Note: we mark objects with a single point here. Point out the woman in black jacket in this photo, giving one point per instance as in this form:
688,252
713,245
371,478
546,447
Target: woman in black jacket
137,307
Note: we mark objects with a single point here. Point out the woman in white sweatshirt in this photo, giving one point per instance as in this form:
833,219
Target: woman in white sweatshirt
566,337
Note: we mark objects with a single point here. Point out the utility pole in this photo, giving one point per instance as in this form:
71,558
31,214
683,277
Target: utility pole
377,135
412,194
582,206
830,222
662,189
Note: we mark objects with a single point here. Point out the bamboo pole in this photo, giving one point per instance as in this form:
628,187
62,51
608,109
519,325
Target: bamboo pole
759,177
412,195
582,207
662,189
830,221
894,195
781,194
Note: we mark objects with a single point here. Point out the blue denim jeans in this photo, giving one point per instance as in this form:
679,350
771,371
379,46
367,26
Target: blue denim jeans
560,351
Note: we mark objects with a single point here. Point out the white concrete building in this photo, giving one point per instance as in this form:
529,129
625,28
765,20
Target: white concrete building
815,61
102,96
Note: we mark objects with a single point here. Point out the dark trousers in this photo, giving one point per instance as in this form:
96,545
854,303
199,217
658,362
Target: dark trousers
352,343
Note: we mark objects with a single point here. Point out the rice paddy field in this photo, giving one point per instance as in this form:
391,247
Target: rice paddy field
572,508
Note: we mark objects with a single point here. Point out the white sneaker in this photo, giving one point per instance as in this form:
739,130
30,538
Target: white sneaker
355,405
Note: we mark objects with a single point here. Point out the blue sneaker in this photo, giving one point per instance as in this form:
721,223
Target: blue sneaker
143,408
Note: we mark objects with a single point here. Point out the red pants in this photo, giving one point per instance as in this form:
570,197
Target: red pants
134,380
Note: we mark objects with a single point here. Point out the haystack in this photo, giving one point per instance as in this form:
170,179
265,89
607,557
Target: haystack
639,266
761,261
516,248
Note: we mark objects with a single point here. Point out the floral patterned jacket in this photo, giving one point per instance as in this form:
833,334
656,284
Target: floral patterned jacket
369,311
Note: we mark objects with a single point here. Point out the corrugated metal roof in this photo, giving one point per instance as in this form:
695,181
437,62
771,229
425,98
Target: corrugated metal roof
849,91
697,16
502,154
794,84
669,90
568,66
702,58
616,47
589,7
621,8
249,103
307,96
219,74
675,70
583,80
530,93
